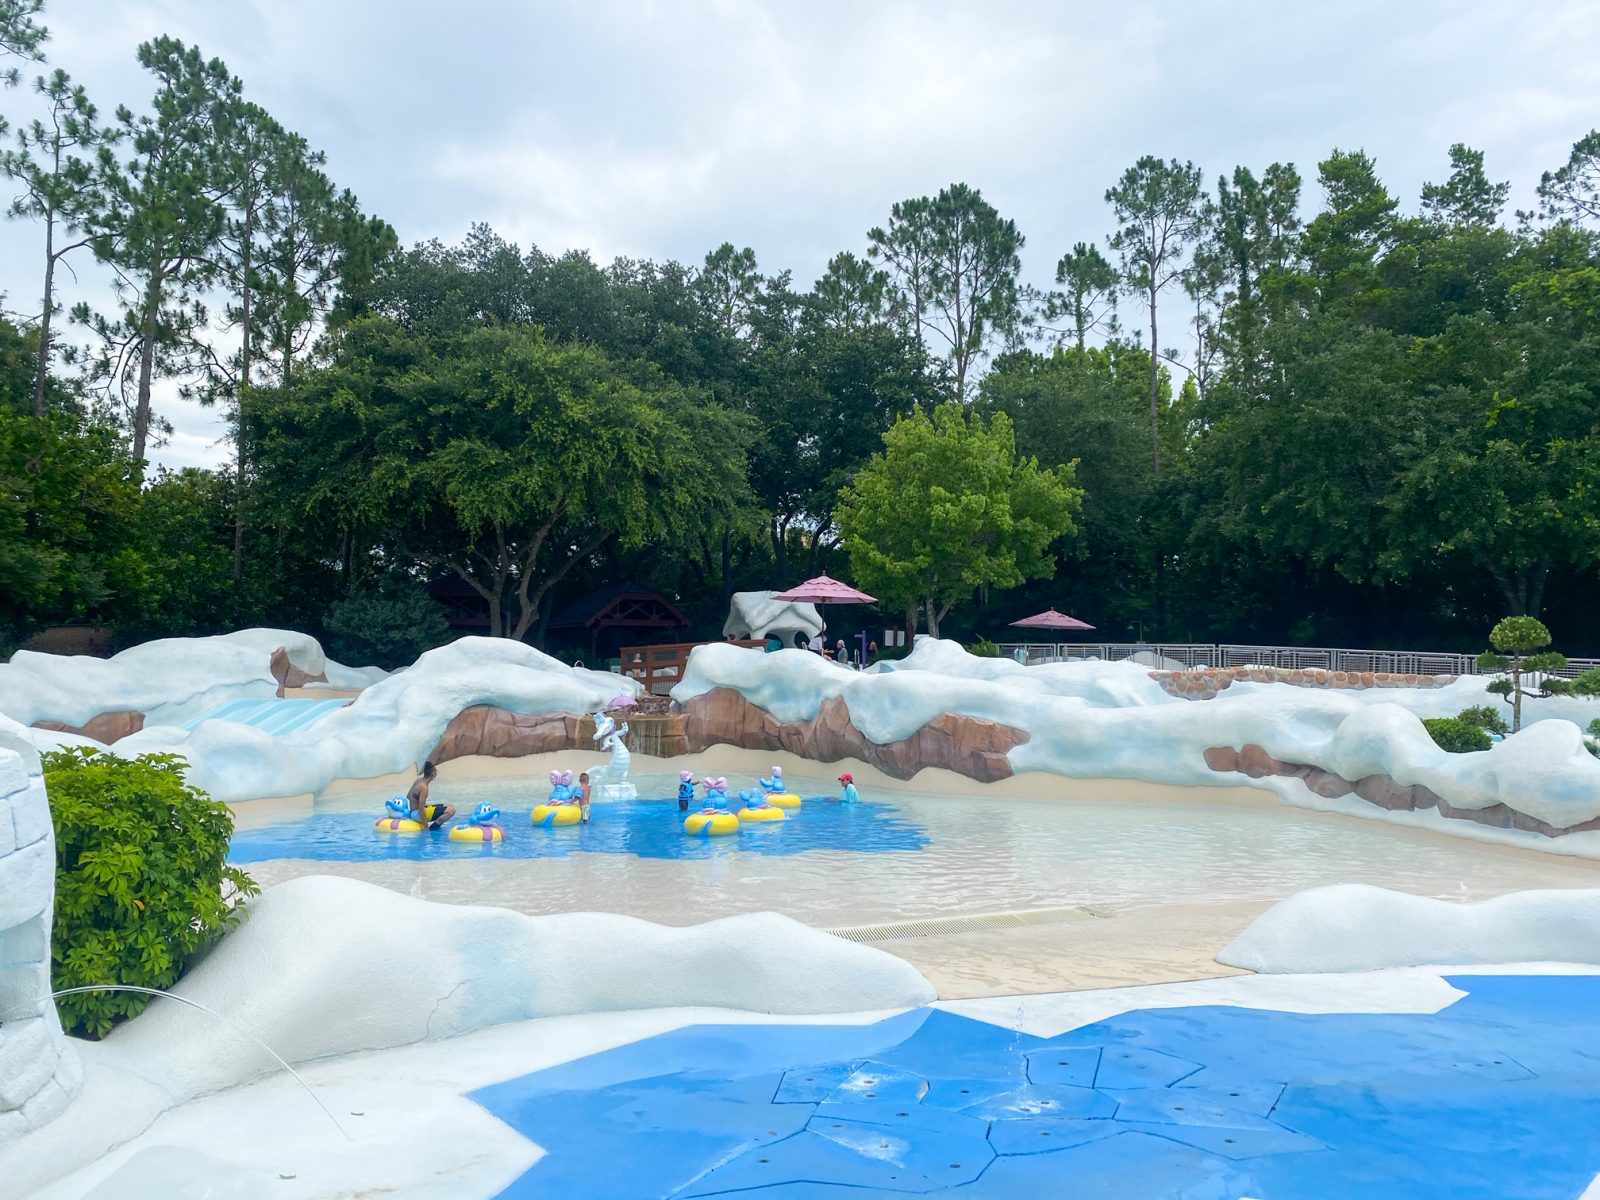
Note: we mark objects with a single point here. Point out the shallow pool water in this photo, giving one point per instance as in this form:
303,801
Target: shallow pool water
645,828
930,855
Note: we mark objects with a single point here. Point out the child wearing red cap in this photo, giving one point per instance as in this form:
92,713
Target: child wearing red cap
848,794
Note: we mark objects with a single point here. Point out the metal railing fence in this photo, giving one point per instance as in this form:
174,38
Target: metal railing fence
1190,656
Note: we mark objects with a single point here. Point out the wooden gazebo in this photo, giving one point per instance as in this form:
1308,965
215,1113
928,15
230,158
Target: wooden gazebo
621,607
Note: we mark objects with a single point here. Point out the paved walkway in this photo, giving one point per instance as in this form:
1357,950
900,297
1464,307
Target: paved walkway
1497,1095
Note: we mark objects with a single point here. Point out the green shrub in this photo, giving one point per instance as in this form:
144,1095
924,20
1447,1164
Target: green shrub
1484,718
387,626
1457,736
983,648
1594,728
142,880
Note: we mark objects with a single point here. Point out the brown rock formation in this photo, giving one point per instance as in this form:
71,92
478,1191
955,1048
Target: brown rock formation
104,727
290,676
1380,790
975,748
484,729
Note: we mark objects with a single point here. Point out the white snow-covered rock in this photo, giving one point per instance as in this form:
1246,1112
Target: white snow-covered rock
390,727
171,680
1098,720
1356,927
325,966
756,614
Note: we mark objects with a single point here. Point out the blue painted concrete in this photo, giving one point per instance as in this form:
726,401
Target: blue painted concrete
1497,1096
646,828
272,715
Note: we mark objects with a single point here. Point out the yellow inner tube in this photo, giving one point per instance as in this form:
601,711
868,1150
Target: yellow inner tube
397,825
710,824
556,814
770,812
477,833
783,800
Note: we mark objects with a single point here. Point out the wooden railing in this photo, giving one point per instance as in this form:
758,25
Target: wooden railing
659,668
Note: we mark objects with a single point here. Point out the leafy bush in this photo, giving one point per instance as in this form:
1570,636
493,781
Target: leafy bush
1485,718
388,625
142,880
1457,736
984,648
1594,728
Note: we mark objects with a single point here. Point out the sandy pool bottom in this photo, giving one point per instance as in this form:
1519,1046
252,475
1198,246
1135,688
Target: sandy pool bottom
1141,886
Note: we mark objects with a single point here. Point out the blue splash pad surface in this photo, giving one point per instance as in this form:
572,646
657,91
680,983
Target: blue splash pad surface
645,828
1494,1097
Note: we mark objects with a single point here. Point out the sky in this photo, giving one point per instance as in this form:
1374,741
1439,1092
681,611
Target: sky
662,129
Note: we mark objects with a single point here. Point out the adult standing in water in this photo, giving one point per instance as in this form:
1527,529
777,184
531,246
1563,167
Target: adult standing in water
423,813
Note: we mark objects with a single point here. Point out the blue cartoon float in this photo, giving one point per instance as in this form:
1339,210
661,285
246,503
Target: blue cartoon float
481,826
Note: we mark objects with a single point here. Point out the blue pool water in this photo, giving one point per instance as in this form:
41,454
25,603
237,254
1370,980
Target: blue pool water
1496,1096
645,828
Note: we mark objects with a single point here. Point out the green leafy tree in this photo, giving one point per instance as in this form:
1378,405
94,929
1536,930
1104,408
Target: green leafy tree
852,294
389,625
21,37
67,505
1344,243
1158,210
1087,409
50,166
1572,191
948,508
1466,197
155,219
142,879
1087,301
730,287
953,261
497,456
1519,649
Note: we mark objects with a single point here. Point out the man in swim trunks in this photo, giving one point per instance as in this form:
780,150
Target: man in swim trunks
432,815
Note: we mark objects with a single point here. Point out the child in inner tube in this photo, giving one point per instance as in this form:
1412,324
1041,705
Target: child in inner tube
432,815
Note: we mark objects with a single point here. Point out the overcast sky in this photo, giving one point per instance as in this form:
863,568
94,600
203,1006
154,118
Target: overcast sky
663,129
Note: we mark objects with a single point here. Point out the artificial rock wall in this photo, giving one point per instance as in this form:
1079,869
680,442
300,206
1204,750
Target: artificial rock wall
39,1071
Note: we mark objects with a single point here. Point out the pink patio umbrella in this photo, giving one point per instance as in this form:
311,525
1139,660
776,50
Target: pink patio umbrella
823,590
1051,619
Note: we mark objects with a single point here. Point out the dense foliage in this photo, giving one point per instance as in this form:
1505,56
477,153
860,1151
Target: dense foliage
1380,426
1457,735
142,880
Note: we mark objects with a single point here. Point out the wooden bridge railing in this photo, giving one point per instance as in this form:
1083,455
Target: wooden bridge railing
659,668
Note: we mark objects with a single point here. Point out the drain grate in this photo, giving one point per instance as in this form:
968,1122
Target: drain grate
905,931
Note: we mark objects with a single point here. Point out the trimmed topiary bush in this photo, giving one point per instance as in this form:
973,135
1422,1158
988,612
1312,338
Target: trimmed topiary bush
1456,735
1484,718
142,879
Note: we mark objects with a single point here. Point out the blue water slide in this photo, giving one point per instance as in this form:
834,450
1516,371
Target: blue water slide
272,715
